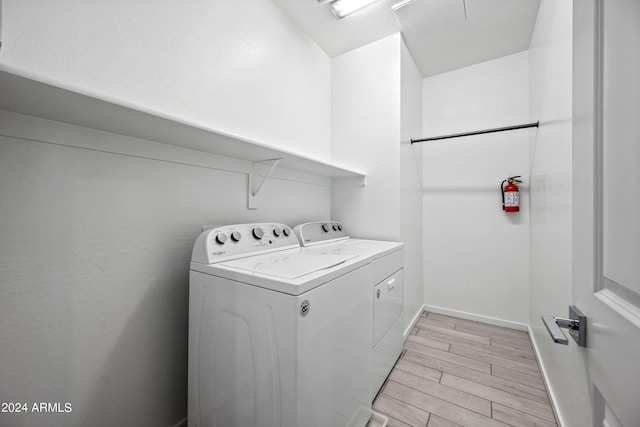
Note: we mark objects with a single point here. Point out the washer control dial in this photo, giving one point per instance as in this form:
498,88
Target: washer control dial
286,231
325,228
257,233
221,238
236,236
277,232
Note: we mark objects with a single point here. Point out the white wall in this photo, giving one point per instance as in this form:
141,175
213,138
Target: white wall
95,245
366,135
476,259
94,257
376,111
411,185
241,66
551,184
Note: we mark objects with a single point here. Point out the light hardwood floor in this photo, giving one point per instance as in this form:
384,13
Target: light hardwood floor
457,372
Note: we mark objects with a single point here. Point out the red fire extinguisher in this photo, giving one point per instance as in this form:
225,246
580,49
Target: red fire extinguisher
510,194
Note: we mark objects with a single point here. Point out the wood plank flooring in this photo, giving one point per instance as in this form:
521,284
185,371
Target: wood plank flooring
457,372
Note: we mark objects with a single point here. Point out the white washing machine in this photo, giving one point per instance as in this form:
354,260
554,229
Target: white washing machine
279,335
385,284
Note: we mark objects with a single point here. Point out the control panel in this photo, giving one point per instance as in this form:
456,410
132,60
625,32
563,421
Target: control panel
234,241
318,232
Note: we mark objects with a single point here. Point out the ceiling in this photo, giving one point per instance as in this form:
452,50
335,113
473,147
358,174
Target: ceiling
442,35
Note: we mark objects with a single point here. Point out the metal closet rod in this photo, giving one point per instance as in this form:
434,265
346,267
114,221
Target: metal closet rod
477,132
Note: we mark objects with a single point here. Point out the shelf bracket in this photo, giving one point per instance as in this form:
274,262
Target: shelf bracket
253,175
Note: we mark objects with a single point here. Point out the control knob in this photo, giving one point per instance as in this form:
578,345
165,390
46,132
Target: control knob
277,232
221,238
325,228
257,233
286,231
235,236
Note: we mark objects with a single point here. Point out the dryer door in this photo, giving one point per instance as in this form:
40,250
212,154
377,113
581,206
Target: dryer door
387,328
387,305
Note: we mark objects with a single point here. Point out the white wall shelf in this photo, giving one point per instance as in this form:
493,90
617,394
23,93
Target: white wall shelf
37,97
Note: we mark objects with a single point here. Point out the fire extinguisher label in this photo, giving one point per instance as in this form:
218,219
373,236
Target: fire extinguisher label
511,198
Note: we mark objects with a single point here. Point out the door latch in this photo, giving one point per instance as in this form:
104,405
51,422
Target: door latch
576,323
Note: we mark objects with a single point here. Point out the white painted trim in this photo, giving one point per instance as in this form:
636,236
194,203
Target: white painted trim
499,322
415,319
360,181
181,423
40,96
477,317
620,305
377,420
29,128
550,391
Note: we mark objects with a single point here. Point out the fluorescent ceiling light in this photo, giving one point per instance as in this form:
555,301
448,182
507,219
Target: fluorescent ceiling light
400,4
344,8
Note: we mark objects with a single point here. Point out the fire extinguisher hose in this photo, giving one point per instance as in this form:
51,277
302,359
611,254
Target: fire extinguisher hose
502,191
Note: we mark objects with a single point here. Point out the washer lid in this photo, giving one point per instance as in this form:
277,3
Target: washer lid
289,265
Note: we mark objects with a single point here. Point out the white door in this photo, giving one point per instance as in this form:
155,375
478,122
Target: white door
606,206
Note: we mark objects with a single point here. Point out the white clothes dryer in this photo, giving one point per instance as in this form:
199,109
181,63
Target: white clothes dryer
279,335
386,284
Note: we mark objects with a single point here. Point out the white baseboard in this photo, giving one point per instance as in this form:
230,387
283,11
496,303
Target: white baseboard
413,322
477,317
498,322
181,423
545,378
